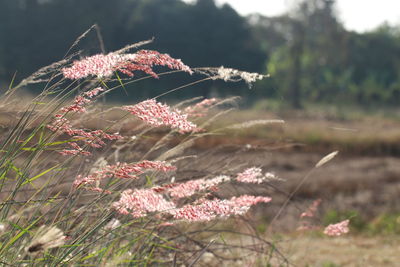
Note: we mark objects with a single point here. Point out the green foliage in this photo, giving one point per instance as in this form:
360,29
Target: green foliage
334,65
387,224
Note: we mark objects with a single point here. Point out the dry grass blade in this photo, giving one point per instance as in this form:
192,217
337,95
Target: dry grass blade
325,159
36,77
212,119
100,38
81,37
133,46
229,101
160,143
178,150
188,101
183,158
252,123
204,250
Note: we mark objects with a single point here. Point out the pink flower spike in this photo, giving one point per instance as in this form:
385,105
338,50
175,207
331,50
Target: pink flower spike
157,114
97,65
191,187
105,65
156,165
211,209
147,58
139,203
337,229
79,102
310,212
201,108
93,92
123,171
68,152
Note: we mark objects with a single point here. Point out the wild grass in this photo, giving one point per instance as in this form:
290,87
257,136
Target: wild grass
89,185
63,182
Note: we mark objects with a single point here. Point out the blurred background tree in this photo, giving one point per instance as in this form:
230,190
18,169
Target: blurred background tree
310,55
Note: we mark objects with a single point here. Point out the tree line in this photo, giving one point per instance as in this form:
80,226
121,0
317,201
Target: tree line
310,55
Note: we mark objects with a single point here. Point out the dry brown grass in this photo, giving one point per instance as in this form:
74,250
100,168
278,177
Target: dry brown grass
372,135
352,251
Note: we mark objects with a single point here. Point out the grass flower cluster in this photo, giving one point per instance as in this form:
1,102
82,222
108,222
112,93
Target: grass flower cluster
102,66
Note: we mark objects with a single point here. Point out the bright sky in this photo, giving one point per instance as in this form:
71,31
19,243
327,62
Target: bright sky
358,15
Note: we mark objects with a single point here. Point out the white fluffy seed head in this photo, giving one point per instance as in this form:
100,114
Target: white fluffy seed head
326,159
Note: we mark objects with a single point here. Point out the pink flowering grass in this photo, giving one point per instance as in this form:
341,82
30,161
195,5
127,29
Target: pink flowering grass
337,229
208,210
157,114
117,183
308,217
167,197
106,65
90,138
123,171
140,203
201,108
310,212
192,187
